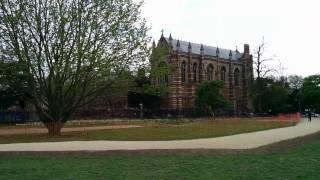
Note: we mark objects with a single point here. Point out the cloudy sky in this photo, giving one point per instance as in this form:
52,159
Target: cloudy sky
291,29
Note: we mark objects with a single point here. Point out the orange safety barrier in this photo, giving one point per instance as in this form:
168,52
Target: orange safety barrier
289,116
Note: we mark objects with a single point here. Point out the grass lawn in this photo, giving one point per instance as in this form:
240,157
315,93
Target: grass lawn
298,163
78,123
157,131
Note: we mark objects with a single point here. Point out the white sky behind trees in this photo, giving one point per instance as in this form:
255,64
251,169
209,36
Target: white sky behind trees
291,28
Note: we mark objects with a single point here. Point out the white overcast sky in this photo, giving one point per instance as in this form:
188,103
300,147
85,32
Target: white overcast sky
291,28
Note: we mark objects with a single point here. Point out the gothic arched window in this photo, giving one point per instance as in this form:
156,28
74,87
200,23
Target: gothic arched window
210,72
236,77
183,72
223,74
194,70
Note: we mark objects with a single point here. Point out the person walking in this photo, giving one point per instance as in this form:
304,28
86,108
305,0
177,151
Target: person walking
309,116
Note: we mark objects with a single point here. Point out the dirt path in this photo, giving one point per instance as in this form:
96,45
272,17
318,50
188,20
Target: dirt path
28,130
240,141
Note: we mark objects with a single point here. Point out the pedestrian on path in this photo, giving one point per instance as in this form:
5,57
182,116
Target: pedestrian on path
309,116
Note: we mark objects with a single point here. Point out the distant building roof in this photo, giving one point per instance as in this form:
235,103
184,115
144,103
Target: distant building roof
208,50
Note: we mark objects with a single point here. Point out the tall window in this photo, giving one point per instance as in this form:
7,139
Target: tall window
210,72
236,77
223,74
183,72
194,70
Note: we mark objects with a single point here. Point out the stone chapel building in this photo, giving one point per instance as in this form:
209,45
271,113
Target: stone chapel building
194,63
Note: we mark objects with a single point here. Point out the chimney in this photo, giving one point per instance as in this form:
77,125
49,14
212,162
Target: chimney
246,49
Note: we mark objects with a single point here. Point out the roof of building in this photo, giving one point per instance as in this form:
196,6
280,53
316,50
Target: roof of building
207,50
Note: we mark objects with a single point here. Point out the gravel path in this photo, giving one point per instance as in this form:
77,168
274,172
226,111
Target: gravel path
240,141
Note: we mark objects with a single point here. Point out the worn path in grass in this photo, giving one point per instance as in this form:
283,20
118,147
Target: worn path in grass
240,141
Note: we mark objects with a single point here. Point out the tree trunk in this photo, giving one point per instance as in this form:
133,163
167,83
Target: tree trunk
54,128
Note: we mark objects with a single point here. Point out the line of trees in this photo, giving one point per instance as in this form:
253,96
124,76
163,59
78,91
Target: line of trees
274,94
286,94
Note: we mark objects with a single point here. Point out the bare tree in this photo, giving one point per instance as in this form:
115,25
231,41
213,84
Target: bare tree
295,81
262,70
71,50
261,66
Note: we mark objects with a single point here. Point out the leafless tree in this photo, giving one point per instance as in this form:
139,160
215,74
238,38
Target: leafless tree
263,69
295,81
261,64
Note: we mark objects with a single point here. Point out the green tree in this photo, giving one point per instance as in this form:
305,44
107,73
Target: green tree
71,50
13,86
155,78
123,83
142,80
209,97
294,100
310,92
272,97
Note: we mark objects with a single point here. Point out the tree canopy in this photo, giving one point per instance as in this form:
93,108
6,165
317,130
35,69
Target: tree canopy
272,98
13,86
154,78
71,50
310,92
209,97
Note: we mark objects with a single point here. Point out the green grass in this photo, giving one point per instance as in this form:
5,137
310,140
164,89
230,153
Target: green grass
156,131
299,163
